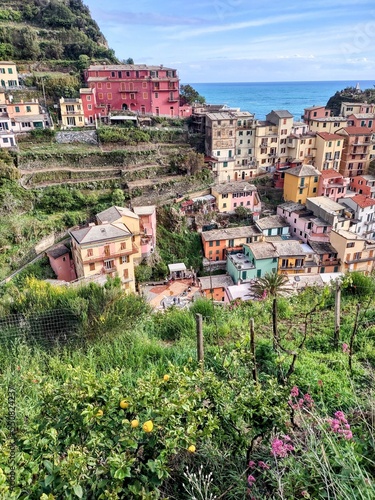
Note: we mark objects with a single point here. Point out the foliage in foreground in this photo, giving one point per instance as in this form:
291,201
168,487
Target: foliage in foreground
132,416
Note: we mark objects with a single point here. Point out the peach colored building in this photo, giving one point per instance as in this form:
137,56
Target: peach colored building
215,287
363,184
349,108
358,143
71,111
328,151
27,115
218,242
61,263
8,75
355,252
330,124
147,221
332,184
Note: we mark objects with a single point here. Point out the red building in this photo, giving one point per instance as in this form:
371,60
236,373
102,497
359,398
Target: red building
136,87
62,263
363,184
358,144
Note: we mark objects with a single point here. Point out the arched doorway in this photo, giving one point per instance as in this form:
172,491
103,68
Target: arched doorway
124,107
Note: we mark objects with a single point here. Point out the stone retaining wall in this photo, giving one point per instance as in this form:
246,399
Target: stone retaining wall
80,136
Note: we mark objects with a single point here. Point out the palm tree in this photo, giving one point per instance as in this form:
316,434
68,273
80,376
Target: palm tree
272,285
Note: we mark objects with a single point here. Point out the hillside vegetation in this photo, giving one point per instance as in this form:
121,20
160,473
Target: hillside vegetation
349,94
49,30
126,411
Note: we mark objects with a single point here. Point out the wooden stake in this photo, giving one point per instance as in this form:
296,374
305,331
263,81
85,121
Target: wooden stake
252,349
200,348
336,336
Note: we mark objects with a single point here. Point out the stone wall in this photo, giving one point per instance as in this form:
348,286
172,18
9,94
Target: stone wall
80,136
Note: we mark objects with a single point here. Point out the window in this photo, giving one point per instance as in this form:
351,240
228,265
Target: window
10,71
124,259
17,108
89,107
224,205
316,179
109,264
28,109
357,255
156,95
92,266
106,250
211,243
90,252
225,164
109,96
100,96
145,95
88,98
217,243
100,86
350,245
132,96
108,85
231,243
126,274
144,85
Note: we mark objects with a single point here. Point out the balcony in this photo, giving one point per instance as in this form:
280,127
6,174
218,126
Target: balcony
173,99
109,270
108,255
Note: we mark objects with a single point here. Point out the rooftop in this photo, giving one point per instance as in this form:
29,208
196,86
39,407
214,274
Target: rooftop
230,233
357,130
103,232
234,187
58,251
263,249
363,116
326,203
330,173
314,107
291,206
329,137
289,248
322,248
303,171
115,213
363,200
331,119
273,221
281,113
127,67
144,210
216,281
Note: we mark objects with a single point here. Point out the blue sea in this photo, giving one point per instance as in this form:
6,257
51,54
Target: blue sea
261,98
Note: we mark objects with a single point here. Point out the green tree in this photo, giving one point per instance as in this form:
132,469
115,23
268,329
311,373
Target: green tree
272,285
188,95
118,197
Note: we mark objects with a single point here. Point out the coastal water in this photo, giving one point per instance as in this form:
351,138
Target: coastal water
261,98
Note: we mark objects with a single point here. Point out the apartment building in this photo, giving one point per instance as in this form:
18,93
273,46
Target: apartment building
147,223
245,165
301,183
349,108
72,113
93,112
8,75
231,195
315,112
220,144
328,151
215,287
136,87
330,124
362,120
363,184
362,208
355,252
217,243
358,146
332,184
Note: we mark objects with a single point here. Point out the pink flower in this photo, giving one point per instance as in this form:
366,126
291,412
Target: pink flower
340,415
251,464
250,480
345,348
294,392
263,465
279,448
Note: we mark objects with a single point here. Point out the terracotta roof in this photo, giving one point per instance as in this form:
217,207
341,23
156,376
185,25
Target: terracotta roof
358,130
329,137
330,173
363,201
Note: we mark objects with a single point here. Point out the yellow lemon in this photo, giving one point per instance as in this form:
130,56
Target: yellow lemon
124,404
148,426
191,448
99,413
166,378
134,423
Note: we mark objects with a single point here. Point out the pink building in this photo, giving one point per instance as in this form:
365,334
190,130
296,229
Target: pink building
303,223
91,109
147,221
361,120
315,112
136,87
332,184
363,184
61,263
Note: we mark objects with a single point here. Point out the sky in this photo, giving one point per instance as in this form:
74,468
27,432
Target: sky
244,40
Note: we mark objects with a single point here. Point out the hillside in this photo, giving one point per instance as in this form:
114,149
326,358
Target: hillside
53,30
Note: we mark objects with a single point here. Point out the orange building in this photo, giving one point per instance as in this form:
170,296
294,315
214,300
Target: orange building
215,287
218,242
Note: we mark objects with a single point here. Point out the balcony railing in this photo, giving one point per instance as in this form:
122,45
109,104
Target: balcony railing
107,256
109,270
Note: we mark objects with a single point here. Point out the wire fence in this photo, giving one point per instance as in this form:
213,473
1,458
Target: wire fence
49,329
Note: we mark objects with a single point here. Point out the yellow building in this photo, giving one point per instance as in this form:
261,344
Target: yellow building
72,114
111,247
8,74
301,148
328,151
355,252
301,183
291,257
330,124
